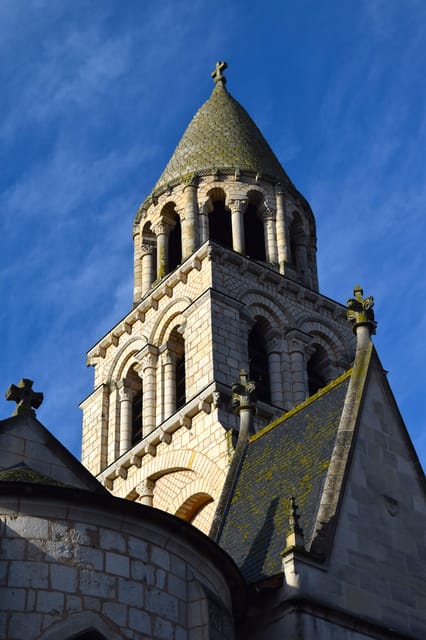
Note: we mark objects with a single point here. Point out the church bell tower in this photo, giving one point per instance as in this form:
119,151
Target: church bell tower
225,278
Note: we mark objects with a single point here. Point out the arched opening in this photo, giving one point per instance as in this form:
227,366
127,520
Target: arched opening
148,237
173,250
190,509
177,346
254,234
134,384
258,361
318,369
220,226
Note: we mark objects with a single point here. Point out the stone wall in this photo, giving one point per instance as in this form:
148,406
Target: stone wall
70,562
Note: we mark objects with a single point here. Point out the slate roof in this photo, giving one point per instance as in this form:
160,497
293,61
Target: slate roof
221,135
290,457
23,473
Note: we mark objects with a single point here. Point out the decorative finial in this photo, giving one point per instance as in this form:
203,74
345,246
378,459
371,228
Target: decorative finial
24,397
295,537
360,311
217,74
243,393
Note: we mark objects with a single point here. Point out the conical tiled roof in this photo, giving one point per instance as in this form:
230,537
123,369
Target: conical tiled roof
221,136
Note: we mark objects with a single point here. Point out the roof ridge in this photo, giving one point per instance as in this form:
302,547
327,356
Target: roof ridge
302,405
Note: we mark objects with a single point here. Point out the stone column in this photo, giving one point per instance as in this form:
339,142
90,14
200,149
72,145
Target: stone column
270,238
148,267
146,492
238,208
275,378
298,344
283,236
203,223
126,410
147,359
168,360
162,231
137,266
189,218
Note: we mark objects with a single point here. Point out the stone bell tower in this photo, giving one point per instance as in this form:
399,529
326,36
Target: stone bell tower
225,278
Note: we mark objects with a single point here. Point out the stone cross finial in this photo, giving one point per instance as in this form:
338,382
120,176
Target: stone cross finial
243,393
360,311
24,397
217,74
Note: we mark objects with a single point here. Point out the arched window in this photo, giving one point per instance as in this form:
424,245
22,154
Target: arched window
318,370
174,373
258,361
220,226
134,384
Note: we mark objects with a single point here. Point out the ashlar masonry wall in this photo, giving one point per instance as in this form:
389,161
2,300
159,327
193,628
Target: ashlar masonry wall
71,562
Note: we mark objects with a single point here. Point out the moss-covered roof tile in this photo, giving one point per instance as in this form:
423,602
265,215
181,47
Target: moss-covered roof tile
221,135
288,458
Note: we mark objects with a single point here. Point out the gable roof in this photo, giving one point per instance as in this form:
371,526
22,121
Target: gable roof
30,453
290,457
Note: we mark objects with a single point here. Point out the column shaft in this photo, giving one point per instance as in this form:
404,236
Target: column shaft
126,407
283,240
274,362
189,219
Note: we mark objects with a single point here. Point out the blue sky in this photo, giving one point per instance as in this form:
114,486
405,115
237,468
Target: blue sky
95,96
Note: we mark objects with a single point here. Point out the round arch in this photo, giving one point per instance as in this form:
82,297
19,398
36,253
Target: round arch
76,624
123,356
168,317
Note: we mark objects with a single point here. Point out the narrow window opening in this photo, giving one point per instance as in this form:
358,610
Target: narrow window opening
317,370
258,362
137,417
175,245
254,234
180,381
220,226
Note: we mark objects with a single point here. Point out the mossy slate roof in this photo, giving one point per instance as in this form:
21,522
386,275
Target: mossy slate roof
23,473
288,458
221,135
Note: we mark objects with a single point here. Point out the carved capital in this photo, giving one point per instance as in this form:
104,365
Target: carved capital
192,181
146,488
147,248
298,342
162,228
147,358
168,357
126,394
238,205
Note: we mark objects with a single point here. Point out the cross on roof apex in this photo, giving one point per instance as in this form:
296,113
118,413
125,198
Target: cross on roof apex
217,74
24,397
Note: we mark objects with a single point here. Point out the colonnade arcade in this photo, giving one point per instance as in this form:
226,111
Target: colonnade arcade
262,225
287,368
